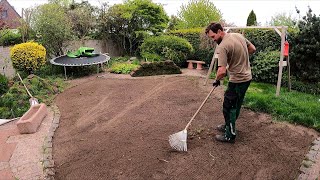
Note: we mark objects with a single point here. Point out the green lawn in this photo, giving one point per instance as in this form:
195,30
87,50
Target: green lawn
293,106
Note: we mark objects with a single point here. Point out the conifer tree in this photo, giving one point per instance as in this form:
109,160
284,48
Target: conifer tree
252,19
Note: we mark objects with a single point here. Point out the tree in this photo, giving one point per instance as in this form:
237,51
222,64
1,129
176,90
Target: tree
52,27
25,29
82,17
305,48
63,3
252,19
128,23
173,23
198,13
282,19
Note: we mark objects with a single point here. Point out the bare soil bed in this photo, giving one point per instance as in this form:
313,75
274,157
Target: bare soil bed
118,128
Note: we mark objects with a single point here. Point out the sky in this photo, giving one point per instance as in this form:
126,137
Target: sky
235,12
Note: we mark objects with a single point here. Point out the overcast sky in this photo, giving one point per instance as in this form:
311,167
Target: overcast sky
233,11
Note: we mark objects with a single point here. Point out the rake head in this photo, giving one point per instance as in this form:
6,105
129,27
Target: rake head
178,141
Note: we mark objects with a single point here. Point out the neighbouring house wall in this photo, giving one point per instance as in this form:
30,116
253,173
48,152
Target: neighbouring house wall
5,62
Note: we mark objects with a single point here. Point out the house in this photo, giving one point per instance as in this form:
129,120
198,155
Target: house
9,17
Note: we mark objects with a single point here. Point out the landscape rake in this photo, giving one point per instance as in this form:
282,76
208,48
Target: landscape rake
178,141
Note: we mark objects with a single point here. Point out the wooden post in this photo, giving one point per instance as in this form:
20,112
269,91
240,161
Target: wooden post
211,64
289,74
281,61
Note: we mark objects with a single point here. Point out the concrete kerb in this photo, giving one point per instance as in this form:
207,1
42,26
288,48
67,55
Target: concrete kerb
48,163
310,166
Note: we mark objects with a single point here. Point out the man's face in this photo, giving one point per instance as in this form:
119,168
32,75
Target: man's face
215,36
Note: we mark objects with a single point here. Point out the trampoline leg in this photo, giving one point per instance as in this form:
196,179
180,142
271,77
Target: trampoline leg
98,68
65,72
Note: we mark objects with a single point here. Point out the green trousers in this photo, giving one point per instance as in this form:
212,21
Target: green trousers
233,99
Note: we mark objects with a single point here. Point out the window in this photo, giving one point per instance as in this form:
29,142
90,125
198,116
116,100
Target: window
4,14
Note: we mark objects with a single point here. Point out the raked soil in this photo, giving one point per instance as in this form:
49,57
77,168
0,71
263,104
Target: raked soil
117,127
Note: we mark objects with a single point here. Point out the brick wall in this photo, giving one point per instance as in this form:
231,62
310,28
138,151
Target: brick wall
5,62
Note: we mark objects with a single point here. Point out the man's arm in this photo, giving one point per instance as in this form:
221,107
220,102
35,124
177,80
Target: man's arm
251,48
221,73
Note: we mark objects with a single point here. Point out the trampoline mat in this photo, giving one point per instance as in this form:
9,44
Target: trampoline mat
82,61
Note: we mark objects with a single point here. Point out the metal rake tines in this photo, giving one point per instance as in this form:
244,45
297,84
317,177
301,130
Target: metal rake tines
178,141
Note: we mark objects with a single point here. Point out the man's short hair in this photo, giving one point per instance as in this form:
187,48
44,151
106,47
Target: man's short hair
214,27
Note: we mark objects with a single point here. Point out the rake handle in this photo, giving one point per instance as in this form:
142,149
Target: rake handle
24,85
189,123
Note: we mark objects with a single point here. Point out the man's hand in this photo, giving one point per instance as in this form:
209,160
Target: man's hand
216,83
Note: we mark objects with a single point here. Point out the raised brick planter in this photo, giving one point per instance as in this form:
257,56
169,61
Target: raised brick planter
31,120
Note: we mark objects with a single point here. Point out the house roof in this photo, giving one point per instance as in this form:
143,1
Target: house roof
11,21
14,10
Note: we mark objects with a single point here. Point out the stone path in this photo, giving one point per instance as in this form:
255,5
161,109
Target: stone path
21,155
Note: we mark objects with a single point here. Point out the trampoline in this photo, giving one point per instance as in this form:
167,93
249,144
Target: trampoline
81,61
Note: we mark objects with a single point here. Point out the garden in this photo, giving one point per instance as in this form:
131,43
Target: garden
117,127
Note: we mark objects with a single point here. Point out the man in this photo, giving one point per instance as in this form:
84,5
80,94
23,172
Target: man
233,55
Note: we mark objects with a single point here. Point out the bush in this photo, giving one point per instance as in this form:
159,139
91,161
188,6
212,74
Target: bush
123,68
49,69
203,49
15,102
156,68
28,56
166,47
265,67
264,39
3,84
8,37
306,44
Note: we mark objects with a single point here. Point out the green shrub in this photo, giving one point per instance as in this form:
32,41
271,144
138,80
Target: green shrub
305,58
15,102
265,67
8,37
28,56
202,44
151,57
49,69
3,84
166,47
156,68
117,59
123,68
264,39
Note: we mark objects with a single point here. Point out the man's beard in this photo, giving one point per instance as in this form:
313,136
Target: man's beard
218,41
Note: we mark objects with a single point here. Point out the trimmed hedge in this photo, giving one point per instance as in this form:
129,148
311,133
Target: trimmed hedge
203,46
166,47
265,67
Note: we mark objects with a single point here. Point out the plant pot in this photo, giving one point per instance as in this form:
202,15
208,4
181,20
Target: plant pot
32,119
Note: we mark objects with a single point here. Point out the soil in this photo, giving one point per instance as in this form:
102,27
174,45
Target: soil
118,128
